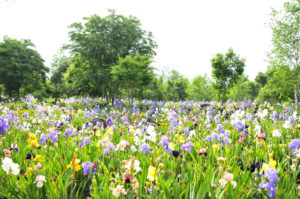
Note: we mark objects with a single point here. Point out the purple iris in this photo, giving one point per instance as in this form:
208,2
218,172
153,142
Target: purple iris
109,121
150,190
220,128
226,140
86,168
85,141
109,147
188,146
208,139
294,144
25,114
43,138
227,133
186,129
239,126
164,141
249,116
217,118
4,126
14,147
272,177
28,156
68,132
274,115
88,124
53,135
145,148
254,166
175,153
215,136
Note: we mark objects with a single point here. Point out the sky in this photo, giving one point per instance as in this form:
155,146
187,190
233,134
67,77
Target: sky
189,33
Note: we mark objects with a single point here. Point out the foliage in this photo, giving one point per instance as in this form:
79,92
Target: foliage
155,90
176,86
226,70
22,69
285,24
60,65
278,87
261,78
164,150
98,44
133,73
201,89
244,90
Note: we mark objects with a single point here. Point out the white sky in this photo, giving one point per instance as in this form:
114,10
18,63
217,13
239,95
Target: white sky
189,33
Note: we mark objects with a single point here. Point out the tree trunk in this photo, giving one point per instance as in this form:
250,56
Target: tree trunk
131,97
128,95
296,89
106,96
223,93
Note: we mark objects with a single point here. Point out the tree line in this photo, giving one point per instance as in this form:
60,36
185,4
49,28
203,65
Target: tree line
111,57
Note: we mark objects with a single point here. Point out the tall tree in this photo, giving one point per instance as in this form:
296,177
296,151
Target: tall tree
201,89
279,84
22,69
60,65
226,70
261,78
176,86
97,45
285,24
133,73
244,89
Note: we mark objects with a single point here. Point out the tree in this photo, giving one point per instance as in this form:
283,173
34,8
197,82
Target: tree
133,73
60,65
278,87
155,90
99,43
22,70
176,87
285,24
244,89
201,89
261,78
226,70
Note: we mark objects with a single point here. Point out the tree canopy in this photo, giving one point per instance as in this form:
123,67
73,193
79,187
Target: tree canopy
133,73
226,70
22,70
285,24
98,44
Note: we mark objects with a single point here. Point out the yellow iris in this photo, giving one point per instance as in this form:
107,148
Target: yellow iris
215,147
34,143
151,173
38,158
282,146
272,164
172,146
31,137
180,138
75,163
161,165
265,167
31,171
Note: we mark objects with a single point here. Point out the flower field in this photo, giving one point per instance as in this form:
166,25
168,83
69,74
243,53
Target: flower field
83,148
